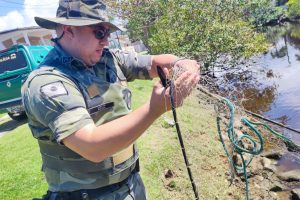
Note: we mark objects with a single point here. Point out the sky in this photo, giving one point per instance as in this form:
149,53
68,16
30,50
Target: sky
21,13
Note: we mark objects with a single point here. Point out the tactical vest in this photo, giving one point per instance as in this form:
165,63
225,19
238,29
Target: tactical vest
105,101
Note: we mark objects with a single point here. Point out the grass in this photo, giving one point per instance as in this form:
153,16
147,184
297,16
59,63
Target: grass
21,177
20,171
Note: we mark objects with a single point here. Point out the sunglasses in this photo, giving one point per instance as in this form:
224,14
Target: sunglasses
101,32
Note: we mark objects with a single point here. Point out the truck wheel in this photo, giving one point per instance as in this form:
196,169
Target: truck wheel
17,116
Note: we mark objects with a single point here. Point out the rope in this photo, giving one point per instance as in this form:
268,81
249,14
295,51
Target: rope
236,141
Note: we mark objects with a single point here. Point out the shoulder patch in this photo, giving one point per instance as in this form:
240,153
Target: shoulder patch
54,89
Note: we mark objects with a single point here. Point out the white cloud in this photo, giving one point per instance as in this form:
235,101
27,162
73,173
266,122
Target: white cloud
12,20
25,17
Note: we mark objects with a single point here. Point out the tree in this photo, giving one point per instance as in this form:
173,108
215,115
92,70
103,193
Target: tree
210,30
262,12
294,8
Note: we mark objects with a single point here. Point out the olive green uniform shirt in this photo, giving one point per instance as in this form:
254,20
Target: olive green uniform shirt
56,107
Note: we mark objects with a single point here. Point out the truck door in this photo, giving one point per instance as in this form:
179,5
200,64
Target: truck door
13,70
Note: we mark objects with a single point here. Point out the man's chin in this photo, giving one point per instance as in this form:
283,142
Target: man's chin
99,52
95,61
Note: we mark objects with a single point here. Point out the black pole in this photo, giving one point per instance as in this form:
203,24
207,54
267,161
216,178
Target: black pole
165,82
187,164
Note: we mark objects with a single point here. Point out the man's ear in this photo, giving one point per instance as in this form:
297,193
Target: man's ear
68,31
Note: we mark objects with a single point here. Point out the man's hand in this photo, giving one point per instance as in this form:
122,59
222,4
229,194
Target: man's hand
184,84
185,65
188,64
185,77
170,61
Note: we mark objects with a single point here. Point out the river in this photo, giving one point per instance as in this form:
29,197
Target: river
277,95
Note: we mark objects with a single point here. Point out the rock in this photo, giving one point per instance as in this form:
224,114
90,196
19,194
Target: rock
256,185
169,173
273,177
257,198
256,165
265,185
293,175
238,160
168,122
238,125
267,164
259,178
277,187
273,195
248,145
273,154
296,194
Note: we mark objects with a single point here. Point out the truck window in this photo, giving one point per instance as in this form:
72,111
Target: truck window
12,61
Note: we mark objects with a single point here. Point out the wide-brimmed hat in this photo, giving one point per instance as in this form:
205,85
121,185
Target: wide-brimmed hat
78,13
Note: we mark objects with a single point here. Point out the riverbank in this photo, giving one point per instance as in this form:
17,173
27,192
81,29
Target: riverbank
162,164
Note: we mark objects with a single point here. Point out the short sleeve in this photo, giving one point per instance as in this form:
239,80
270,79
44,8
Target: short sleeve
133,65
57,103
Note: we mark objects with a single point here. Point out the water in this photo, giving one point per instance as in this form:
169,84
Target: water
277,94
288,162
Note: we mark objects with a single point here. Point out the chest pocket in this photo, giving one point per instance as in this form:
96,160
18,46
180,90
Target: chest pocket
113,101
105,92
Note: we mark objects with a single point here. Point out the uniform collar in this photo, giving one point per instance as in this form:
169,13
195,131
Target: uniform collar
66,59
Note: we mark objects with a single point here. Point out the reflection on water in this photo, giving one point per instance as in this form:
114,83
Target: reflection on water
278,94
288,162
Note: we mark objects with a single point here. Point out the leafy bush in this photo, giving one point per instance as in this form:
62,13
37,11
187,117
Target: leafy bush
294,8
261,12
202,29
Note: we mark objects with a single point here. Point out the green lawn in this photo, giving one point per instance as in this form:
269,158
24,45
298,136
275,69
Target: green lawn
20,173
21,176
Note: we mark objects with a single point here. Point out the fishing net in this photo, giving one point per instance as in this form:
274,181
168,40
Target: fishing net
198,122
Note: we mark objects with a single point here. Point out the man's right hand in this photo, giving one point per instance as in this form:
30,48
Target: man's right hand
183,85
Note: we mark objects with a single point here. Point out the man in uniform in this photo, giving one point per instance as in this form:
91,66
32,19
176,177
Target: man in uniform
79,106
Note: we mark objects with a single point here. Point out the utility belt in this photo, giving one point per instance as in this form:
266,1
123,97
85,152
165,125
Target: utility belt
88,194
